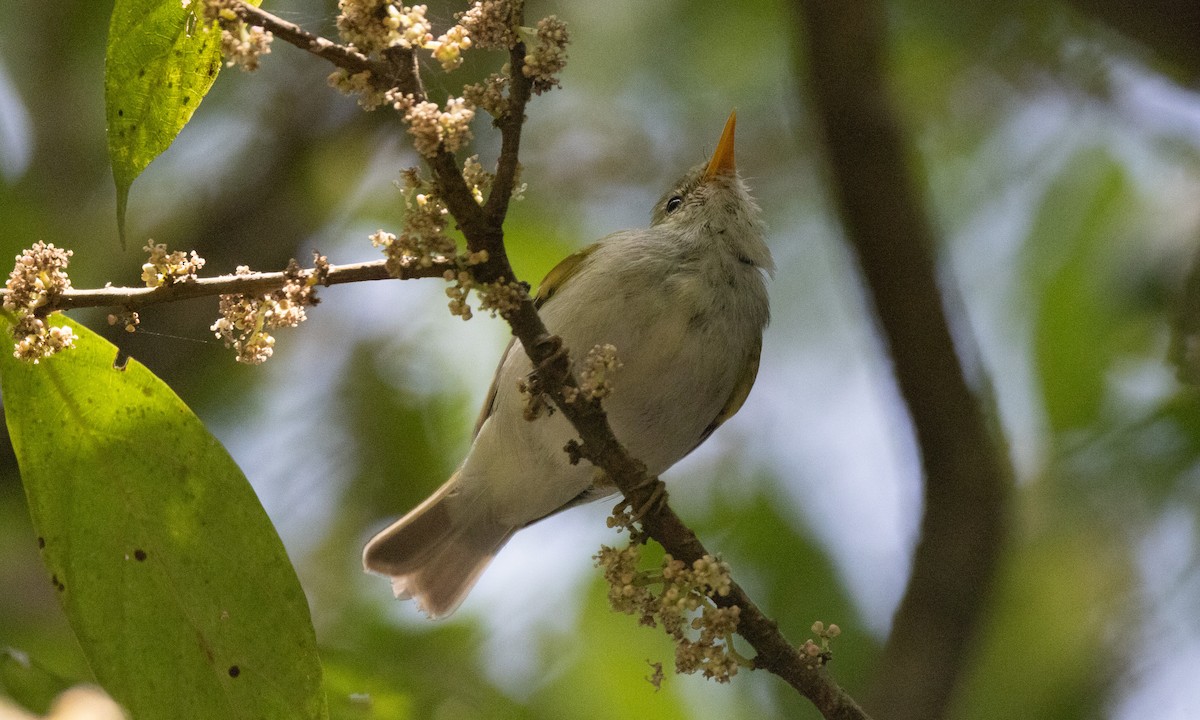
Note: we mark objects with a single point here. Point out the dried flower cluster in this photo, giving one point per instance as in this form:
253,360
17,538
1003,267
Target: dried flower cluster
492,23
166,268
549,55
373,26
433,128
423,240
39,276
241,44
490,94
597,371
683,603
536,401
245,320
502,297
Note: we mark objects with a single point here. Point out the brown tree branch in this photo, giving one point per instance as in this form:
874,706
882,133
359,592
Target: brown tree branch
341,56
258,283
967,477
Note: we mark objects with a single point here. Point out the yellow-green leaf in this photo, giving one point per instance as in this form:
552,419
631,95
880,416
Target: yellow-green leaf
160,62
171,575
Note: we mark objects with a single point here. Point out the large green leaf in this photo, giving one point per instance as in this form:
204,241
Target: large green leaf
173,578
160,63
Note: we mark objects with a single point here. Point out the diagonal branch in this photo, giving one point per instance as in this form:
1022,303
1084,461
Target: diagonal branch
341,56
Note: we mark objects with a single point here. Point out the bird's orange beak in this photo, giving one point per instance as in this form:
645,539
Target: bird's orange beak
722,159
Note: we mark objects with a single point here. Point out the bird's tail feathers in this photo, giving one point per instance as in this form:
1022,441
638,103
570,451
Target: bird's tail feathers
436,552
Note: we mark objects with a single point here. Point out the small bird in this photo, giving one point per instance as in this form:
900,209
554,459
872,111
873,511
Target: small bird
684,302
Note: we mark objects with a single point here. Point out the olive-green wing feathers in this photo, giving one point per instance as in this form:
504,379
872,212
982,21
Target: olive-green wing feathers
561,273
554,280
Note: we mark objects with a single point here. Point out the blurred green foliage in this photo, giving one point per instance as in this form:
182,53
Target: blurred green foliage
1061,162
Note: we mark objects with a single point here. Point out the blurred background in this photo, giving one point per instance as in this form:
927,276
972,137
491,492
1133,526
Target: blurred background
1061,161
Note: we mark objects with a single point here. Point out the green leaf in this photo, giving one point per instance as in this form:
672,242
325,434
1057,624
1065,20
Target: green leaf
160,62
32,686
169,571
1080,216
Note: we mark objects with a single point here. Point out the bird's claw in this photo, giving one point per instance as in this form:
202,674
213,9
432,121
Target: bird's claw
654,501
552,350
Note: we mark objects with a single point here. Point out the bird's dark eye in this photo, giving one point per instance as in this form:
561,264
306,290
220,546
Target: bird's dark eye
673,204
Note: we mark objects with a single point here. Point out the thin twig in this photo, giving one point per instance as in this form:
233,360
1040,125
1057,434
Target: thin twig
342,56
259,283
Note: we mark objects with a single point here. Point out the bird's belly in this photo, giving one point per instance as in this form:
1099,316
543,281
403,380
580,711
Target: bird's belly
679,365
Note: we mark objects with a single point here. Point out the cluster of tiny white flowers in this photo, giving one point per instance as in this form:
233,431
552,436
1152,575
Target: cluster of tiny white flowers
491,24
374,25
597,371
361,84
36,340
40,274
489,94
423,240
432,127
449,47
682,592
502,297
478,179
549,55
165,268
246,320
243,45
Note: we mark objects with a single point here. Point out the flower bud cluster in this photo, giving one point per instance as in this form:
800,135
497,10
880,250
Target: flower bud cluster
489,94
128,320
372,26
502,297
818,653
375,25
241,44
40,275
165,268
422,240
597,371
549,55
492,23
245,320
432,127
682,605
